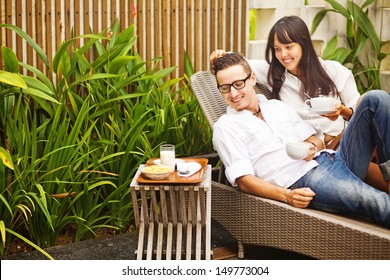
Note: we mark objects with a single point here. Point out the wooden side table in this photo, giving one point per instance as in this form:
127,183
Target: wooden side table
173,221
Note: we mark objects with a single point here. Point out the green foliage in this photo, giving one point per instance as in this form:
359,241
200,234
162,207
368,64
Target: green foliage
75,140
361,36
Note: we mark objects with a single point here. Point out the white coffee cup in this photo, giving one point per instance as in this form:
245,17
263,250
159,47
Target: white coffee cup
297,150
167,155
321,104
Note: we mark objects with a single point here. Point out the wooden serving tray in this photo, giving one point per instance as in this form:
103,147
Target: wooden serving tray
174,178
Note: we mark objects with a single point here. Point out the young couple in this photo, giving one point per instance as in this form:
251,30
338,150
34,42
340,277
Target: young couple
294,73
251,138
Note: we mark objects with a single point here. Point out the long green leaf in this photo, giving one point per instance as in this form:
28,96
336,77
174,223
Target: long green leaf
43,208
2,232
318,19
350,32
341,55
368,3
6,158
188,68
10,60
330,48
12,79
2,198
106,56
65,64
30,243
38,85
126,35
339,8
60,52
42,77
366,26
361,43
30,41
98,76
24,209
40,94
119,62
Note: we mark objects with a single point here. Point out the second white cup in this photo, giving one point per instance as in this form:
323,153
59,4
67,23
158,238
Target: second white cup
167,155
297,150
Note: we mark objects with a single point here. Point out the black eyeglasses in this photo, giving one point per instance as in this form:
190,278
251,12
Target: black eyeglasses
239,84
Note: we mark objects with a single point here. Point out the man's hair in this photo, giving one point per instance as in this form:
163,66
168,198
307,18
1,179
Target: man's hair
230,59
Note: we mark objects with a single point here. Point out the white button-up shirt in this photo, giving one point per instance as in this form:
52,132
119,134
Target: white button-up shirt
248,145
289,93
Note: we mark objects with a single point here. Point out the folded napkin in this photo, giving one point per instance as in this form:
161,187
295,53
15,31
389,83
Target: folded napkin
192,167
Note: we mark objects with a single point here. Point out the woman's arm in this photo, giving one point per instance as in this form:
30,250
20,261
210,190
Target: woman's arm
346,85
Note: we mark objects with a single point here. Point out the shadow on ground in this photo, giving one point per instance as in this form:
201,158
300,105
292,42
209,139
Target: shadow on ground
123,246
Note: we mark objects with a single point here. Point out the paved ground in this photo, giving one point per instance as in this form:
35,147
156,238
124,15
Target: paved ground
123,246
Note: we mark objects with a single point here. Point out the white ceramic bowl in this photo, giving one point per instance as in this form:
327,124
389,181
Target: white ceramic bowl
156,171
297,150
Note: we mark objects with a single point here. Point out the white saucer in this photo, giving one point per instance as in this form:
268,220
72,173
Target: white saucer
177,160
323,112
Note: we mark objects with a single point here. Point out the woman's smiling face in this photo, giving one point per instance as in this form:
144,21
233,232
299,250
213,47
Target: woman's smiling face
288,55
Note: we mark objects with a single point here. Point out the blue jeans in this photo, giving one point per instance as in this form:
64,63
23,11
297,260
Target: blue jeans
338,179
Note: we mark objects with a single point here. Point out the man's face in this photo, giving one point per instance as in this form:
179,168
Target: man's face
239,99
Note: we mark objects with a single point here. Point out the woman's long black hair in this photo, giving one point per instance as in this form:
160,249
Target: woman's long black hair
315,80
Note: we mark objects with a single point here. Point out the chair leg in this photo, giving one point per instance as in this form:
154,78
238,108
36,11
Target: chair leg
241,252
221,174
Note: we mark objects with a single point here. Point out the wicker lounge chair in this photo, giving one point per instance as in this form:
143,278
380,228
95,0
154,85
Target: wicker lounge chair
264,222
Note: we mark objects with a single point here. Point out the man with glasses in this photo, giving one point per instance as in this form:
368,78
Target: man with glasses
250,140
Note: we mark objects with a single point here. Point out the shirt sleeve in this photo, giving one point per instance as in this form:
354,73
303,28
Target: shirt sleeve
260,68
232,150
345,82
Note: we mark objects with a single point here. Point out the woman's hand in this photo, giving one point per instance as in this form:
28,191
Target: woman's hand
340,110
300,198
216,54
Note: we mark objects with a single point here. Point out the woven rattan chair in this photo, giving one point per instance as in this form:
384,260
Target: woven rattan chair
265,222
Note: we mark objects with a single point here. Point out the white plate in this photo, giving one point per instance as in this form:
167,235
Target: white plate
191,167
177,160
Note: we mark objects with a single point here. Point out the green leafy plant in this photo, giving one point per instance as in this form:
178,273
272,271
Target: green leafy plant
361,37
75,140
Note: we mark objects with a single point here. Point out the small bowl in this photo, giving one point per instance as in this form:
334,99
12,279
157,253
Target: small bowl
156,172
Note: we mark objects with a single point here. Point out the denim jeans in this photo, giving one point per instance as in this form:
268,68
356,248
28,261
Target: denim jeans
338,179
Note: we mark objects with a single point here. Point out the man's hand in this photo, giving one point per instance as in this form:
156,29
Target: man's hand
316,145
300,198
312,152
